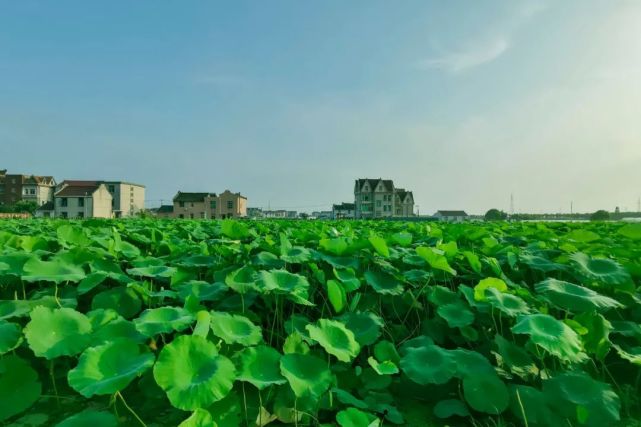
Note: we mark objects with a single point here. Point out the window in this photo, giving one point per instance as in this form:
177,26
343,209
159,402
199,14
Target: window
63,202
181,204
192,205
191,215
202,214
81,202
230,204
212,204
181,216
112,188
64,215
378,203
365,198
81,214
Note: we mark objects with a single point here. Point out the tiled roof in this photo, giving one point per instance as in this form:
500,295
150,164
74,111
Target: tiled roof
451,213
46,207
373,183
344,207
165,209
192,197
77,190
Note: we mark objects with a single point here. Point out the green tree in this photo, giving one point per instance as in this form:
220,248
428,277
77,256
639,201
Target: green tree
495,215
25,206
600,215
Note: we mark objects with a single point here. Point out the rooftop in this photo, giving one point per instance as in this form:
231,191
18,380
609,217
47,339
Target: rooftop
77,190
451,213
192,197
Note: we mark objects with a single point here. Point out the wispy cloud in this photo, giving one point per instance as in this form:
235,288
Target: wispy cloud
457,61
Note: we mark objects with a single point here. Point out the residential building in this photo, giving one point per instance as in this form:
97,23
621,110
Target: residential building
31,188
279,213
82,199
322,215
128,198
46,211
209,205
343,211
378,198
165,211
292,214
451,216
255,213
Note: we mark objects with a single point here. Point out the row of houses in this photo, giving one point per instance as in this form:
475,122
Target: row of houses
205,206
72,198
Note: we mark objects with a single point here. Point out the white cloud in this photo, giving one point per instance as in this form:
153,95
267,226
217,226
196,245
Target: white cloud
468,58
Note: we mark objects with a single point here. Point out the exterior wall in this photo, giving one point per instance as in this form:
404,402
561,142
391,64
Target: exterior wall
97,205
101,203
12,189
231,205
128,199
190,210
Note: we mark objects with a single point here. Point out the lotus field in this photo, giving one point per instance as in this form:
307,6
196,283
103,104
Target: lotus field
355,324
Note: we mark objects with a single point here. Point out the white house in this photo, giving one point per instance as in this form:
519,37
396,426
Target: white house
82,199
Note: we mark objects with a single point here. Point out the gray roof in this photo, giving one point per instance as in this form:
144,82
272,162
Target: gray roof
344,206
192,197
165,209
451,213
373,183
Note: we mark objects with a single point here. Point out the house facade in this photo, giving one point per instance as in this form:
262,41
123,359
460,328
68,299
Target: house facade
343,211
128,198
378,198
451,216
165,211
82,199
209,205
31,188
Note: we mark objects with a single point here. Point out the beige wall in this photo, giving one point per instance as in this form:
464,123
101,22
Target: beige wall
193,210
129,199
101,202
97,205
231,205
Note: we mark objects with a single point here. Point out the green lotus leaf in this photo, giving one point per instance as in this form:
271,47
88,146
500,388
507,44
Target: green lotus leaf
233,328
91,281
366,326
600,270
489,282
14,308
108,368
242,280
306,374
163,320
199,418
440,295
294,286
515,358
449,408
192,373
509,304
528,403
403,238
56,270
10,336
347,277
91,418
596,340
540,263
152,271
574,298
259,366
429,364
268,259
123,300
456,314
296,255
435,259
352,417
470,363
336,246
59,332
385,350
583,236
383,368
572,390
204,291
552,335
474,261
19,386
108,325
383,283
71,236
294,343
234,229
631,231
336,295
335,338
486,393
380,245
631,354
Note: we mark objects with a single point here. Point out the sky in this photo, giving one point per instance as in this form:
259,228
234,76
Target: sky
288,102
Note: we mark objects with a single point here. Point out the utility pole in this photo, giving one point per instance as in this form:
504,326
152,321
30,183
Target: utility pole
571,207
639,205
511,203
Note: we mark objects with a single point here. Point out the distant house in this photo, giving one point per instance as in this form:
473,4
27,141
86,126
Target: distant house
209,205
30,188
379,198
82,199
279,213
127,199
165,211
451,216
321,215
46,211
344,211
255,213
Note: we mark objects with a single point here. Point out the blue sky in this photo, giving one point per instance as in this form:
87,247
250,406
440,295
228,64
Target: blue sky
288,102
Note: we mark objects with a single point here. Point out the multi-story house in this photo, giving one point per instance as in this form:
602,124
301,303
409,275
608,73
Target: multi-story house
209,205
32,188
128,198
378,198
343,211
81,199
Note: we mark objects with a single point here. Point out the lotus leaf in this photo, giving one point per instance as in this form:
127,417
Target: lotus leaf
486,393
90,418
574,298
56,270
199,418
600,270
383,283
335,338
449,408
552,335
233,328
59,332
306,374
259,366
19,386
352,417
10,336
429,365
163,320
